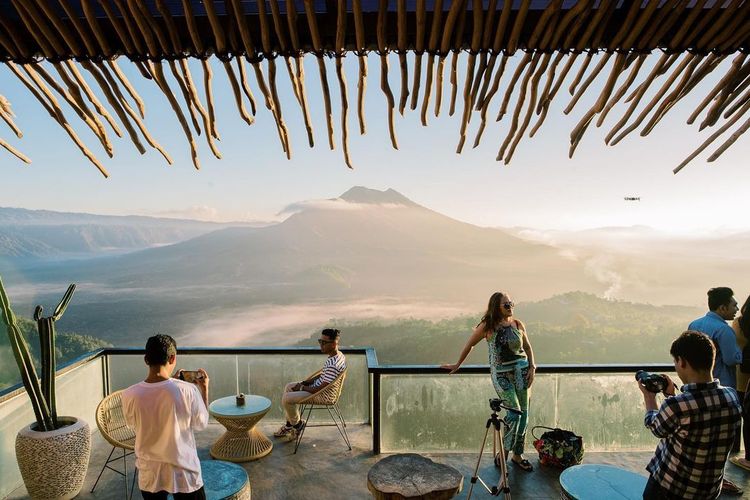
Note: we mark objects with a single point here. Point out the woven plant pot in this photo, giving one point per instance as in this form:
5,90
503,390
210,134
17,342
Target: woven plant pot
53,464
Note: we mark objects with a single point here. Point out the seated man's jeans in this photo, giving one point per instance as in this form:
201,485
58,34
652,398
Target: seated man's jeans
290,401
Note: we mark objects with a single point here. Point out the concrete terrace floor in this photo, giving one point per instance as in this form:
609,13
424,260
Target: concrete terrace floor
323,468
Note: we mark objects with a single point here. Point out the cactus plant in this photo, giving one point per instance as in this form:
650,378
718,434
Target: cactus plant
41,393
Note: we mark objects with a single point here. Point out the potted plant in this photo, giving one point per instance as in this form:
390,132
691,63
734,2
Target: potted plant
52,453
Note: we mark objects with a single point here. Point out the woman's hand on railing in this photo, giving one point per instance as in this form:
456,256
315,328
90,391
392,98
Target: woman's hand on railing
452,367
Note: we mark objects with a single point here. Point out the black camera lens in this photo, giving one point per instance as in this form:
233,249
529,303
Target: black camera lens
653,382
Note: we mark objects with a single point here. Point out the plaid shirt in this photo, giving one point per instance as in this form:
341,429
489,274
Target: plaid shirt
697,429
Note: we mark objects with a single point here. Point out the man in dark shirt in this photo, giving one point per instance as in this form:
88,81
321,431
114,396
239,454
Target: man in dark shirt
697,427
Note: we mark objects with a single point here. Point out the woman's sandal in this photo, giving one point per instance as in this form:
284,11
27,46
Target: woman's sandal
524,465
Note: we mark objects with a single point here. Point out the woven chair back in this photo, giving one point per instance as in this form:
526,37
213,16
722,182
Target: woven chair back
111,422
329,395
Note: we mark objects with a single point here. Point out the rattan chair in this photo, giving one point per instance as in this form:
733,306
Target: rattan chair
111,423
325,399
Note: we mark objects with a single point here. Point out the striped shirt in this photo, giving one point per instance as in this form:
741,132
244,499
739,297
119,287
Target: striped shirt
332,369
697,429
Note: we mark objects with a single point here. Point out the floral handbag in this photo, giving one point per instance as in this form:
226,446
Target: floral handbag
558,447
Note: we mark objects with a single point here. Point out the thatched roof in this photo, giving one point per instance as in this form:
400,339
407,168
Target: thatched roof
83,40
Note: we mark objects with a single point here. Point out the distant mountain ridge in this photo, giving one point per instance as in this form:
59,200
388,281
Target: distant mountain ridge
44,234
389,246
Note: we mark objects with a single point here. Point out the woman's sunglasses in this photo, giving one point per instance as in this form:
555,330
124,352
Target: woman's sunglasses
508,305
324,342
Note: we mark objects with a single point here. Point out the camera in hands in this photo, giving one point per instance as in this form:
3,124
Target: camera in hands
653,382
192,376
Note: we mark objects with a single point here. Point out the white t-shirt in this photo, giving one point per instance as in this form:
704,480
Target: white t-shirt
164,416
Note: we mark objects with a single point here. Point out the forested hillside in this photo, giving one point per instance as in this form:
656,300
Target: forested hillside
574,327
68,346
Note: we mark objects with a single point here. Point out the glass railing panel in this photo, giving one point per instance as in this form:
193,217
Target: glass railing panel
78,393
128,369
439,413
268,374
264,374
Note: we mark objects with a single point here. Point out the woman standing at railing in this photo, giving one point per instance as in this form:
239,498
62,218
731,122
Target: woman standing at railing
511,367
741,327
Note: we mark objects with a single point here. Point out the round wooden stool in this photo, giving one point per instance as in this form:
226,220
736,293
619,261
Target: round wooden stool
224,480
413,476
596,481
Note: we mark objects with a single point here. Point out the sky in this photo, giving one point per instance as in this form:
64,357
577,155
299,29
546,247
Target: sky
541,188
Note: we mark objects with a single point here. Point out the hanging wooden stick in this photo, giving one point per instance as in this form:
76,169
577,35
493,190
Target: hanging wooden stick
268,49
339,55
622,90
519,104
113,102
714,136
192,90
15,152
96,28
281,36
732,139
512,85
92,97
6,113
673,97
291,17
130,25
485,44
41,33
185,95
318,46
245,85
359,29
649,107
734,77
530,108
207,76
419,50
247,42
490,95
54,111
128,87
450,22
456,49
402,46
383,52
158,72
74,99
665,61
497,44
476,38
110,82
437,16
237,95
80,29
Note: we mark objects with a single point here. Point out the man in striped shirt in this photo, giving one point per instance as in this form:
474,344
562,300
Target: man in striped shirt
294,392
696,427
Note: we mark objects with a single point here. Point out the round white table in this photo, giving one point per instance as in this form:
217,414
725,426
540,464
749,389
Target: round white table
597,481
242,442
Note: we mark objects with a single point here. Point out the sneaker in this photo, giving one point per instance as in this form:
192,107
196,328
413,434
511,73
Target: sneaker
285,430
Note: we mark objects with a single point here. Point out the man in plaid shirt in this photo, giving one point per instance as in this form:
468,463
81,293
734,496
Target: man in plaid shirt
696,428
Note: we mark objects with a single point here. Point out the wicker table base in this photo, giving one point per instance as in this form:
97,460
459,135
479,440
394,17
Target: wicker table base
242,442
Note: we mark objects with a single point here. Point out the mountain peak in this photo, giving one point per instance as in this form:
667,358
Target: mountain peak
361,194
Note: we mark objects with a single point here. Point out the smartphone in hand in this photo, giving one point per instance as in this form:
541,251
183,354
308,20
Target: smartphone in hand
192,376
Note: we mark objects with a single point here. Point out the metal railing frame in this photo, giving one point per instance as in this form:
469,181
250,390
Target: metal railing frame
374,369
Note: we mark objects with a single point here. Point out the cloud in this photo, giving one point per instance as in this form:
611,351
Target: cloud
333,204
602,268
212,214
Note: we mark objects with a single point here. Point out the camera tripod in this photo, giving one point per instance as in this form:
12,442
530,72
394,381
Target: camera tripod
497,425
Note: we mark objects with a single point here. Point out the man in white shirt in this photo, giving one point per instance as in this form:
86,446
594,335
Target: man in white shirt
164,412
294,392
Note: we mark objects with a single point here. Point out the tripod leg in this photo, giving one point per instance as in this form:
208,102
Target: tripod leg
479,459
502,483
